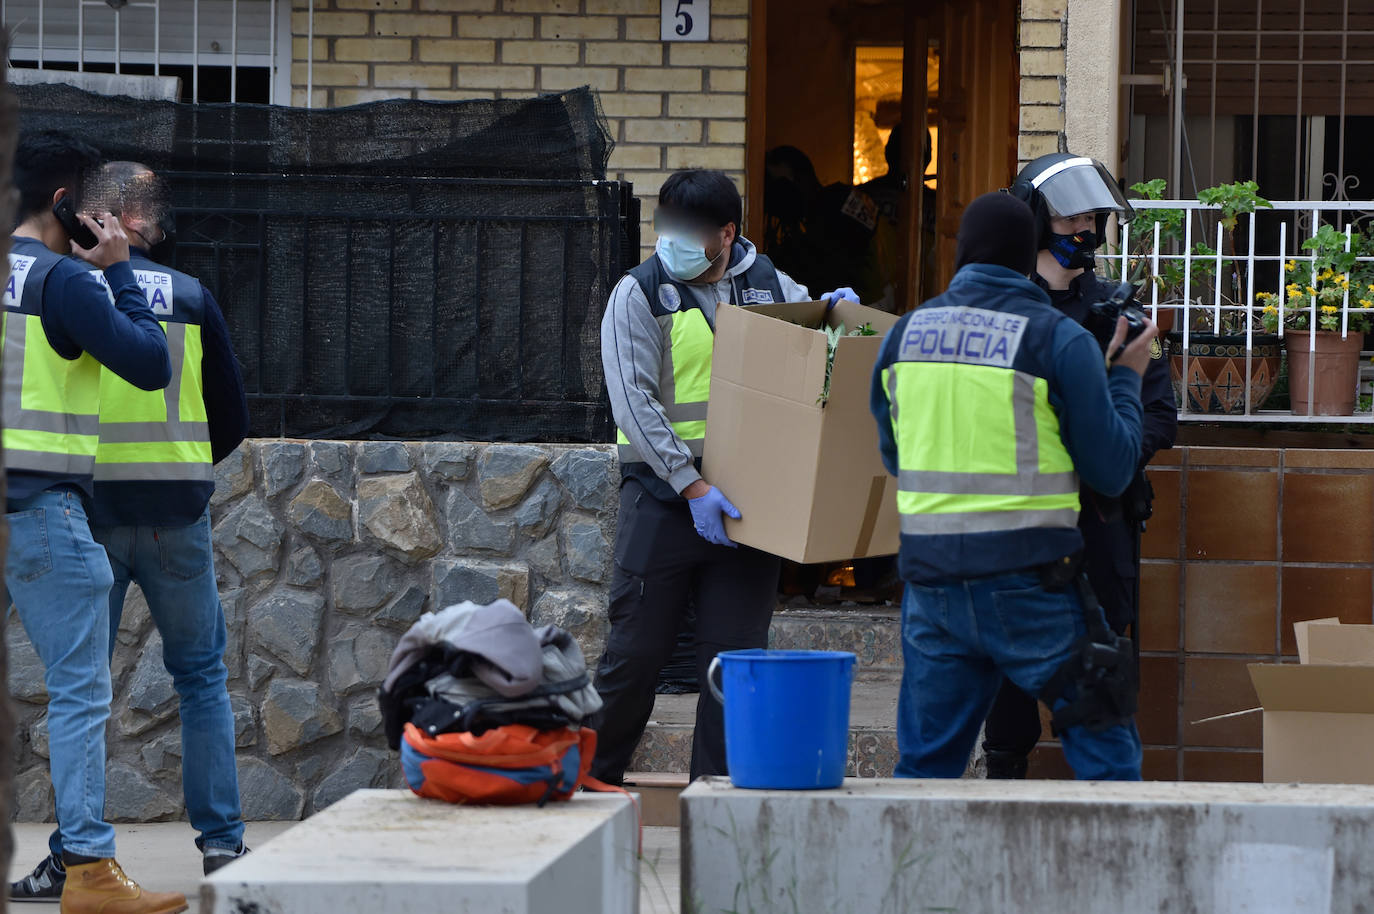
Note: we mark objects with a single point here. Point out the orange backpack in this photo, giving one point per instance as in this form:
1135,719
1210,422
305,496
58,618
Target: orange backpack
506,765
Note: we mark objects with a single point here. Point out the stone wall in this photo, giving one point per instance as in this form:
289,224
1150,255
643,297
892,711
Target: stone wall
326,552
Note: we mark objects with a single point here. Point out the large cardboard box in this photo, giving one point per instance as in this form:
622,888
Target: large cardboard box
805,473
1319,712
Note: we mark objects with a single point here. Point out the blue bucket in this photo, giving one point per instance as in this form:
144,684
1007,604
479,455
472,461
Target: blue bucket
786,716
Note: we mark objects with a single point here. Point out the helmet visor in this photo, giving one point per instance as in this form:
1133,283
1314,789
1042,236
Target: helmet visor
1081,185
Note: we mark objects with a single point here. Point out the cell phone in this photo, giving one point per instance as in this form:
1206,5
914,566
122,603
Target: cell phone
66,215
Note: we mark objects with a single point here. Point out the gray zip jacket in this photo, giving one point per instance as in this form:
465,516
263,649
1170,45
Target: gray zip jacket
633,344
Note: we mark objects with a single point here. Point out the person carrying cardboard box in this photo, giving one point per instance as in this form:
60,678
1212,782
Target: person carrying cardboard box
990,405
671,550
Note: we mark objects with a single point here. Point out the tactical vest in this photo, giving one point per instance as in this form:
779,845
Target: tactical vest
50,403
684,384
161,435
978,443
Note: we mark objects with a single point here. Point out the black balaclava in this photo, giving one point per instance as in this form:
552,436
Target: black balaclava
997,229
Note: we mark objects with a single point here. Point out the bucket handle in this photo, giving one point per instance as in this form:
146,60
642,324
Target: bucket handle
711,679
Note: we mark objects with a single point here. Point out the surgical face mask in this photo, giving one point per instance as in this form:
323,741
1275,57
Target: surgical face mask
1074,252
684,257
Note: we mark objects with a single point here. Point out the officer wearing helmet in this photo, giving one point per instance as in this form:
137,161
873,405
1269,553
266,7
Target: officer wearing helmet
1072,198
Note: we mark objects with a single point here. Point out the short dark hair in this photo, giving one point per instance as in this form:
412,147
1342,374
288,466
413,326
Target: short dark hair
708,195
126,188
46,160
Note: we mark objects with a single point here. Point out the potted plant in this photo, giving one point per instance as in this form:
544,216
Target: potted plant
1328,306
1215,371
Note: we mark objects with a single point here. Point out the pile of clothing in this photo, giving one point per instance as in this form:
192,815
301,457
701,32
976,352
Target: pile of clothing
487,709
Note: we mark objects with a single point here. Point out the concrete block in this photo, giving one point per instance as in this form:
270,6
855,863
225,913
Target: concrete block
729,80
477,76
387,850
555,79
603,28
541,52
1036,846
642,28
433,25
458,50
372,50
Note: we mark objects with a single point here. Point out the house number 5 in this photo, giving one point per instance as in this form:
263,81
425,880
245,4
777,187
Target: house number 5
685,20
684,17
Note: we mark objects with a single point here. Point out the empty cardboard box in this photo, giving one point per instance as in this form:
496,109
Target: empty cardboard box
803,470
1319,712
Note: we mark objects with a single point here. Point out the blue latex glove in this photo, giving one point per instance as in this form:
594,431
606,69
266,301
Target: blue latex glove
706,517
832,299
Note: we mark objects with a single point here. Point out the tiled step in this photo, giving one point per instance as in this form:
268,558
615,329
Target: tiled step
667,743
873,634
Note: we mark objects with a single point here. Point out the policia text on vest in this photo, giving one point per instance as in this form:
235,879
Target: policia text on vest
990,404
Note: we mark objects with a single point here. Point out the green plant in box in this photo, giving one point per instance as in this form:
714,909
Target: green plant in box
833,335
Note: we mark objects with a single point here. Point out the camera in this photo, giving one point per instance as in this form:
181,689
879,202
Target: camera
1102,316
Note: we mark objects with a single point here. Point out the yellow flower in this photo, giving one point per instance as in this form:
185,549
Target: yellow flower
1345,284
1292,265
1294,289
1311,290
1371,287
1366,303
1329,309
1270,309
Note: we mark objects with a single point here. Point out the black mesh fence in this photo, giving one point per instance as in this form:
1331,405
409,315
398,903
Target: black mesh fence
401,269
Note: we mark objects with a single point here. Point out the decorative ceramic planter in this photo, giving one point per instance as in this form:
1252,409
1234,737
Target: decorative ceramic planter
1216,381
1335,374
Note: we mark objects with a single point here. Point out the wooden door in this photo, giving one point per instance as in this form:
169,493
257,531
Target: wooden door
978,113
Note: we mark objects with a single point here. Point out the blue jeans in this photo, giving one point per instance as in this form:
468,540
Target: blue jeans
958,640
175,568
59,582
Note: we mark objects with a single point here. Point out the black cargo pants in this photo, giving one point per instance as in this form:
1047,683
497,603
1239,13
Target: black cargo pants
662,565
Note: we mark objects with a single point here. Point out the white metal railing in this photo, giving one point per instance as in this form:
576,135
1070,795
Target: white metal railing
239,35
1140,250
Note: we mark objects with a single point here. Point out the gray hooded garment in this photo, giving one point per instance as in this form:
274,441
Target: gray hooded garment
517,666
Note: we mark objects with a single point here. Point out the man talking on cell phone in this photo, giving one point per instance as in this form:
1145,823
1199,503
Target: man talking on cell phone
63,320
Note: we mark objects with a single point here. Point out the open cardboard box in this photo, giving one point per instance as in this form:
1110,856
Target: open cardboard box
1319,712
806,475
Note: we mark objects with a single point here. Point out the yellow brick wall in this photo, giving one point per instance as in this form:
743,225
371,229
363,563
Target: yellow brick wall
1042,49
669,105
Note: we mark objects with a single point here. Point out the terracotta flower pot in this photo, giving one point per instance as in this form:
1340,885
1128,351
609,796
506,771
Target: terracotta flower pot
1216,381
1335,373
1167,315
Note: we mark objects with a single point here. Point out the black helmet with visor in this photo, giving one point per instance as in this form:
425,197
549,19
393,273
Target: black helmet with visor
1066,185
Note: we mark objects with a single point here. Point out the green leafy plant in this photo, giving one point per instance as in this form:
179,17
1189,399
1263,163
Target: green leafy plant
1169,280
833,335
1329,275
1233,200
1207,269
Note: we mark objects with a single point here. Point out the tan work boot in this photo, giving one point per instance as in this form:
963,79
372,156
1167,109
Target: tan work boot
102,888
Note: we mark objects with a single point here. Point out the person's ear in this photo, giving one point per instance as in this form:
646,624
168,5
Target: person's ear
731,233
58,194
